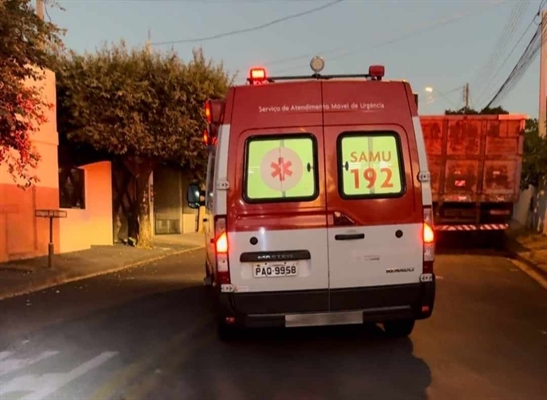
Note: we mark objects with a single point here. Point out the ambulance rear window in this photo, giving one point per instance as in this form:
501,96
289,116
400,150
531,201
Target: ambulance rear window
370,165
281,168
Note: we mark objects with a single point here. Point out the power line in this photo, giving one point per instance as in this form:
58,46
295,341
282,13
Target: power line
418,29
255,28
484,91
432,99
499,47
520,68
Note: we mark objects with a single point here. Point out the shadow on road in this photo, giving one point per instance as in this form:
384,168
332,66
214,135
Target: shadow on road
344,362
320,363
475,243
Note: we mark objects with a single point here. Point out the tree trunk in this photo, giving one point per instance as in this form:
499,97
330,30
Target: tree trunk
142,211
139,219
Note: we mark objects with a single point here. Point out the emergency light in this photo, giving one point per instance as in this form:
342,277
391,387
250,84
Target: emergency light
257,76
376,72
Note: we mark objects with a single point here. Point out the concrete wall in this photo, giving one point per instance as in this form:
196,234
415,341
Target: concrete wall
93,225
21,234
531,209
171,214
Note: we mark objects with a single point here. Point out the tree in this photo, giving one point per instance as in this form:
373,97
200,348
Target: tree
534,160
471,111
143,107
25,41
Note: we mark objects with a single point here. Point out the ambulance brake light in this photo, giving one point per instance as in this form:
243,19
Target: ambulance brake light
222,243
429,234
376,72
208,113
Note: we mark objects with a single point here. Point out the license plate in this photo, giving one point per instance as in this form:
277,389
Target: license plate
275,270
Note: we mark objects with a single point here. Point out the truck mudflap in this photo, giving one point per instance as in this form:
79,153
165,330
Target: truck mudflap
472,227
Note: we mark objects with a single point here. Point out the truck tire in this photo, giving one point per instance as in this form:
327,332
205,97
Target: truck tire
399,328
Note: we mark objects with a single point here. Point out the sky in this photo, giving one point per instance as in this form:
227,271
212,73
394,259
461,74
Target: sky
440,44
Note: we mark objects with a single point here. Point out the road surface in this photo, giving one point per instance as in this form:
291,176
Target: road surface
148,333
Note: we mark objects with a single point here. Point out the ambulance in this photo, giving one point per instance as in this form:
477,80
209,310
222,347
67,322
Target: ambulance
317,203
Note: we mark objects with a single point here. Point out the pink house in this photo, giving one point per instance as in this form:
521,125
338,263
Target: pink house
85,193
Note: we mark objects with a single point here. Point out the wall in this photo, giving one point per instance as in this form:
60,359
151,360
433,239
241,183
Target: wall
93,225
531,209
167,201
171,213
21,234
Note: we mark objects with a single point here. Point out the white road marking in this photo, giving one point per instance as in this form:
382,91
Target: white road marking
14,364
42,386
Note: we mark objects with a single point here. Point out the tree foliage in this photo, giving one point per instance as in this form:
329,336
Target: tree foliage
25,44
143,107
471,111
534,162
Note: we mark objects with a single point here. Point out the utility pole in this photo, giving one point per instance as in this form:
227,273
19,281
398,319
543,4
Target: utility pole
543,94
543,75
466,95
40,9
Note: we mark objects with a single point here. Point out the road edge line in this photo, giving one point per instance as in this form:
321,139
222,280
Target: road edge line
530,268
62,279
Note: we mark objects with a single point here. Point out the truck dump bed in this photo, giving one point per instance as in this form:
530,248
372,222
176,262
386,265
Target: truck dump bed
474,160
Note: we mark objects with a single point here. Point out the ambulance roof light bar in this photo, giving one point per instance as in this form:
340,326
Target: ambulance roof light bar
258,75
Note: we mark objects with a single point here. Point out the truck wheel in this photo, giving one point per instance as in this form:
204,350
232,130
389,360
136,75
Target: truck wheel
398,328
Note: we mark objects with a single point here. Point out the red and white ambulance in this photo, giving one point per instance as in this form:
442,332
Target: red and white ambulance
318,203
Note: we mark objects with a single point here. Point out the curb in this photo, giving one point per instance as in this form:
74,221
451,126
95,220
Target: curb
527,266
66,278
530,269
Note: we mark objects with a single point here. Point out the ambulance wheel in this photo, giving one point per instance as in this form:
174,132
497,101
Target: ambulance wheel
398,328
208,280
225,332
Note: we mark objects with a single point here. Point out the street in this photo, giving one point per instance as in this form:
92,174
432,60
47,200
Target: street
148,333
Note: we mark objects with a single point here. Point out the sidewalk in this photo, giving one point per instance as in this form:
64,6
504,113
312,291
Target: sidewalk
529,248
31,275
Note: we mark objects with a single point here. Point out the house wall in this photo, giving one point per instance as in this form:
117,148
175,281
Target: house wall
171,214
21,234
93,225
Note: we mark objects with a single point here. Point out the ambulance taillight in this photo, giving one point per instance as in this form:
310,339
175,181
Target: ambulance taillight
213,116
428,241
221,250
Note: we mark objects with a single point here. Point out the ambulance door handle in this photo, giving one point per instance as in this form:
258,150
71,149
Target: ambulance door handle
351,236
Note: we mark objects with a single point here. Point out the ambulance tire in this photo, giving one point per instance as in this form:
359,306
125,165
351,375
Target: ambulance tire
208,280
399,328
225,332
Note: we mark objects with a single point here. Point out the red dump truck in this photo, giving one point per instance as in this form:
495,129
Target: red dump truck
475,164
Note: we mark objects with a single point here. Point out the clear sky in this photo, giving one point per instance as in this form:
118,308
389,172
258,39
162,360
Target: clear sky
439,43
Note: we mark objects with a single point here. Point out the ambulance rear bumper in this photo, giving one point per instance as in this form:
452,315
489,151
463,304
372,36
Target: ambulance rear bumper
328,307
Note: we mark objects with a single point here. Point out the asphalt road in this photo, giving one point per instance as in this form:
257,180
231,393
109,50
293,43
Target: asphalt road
148,333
